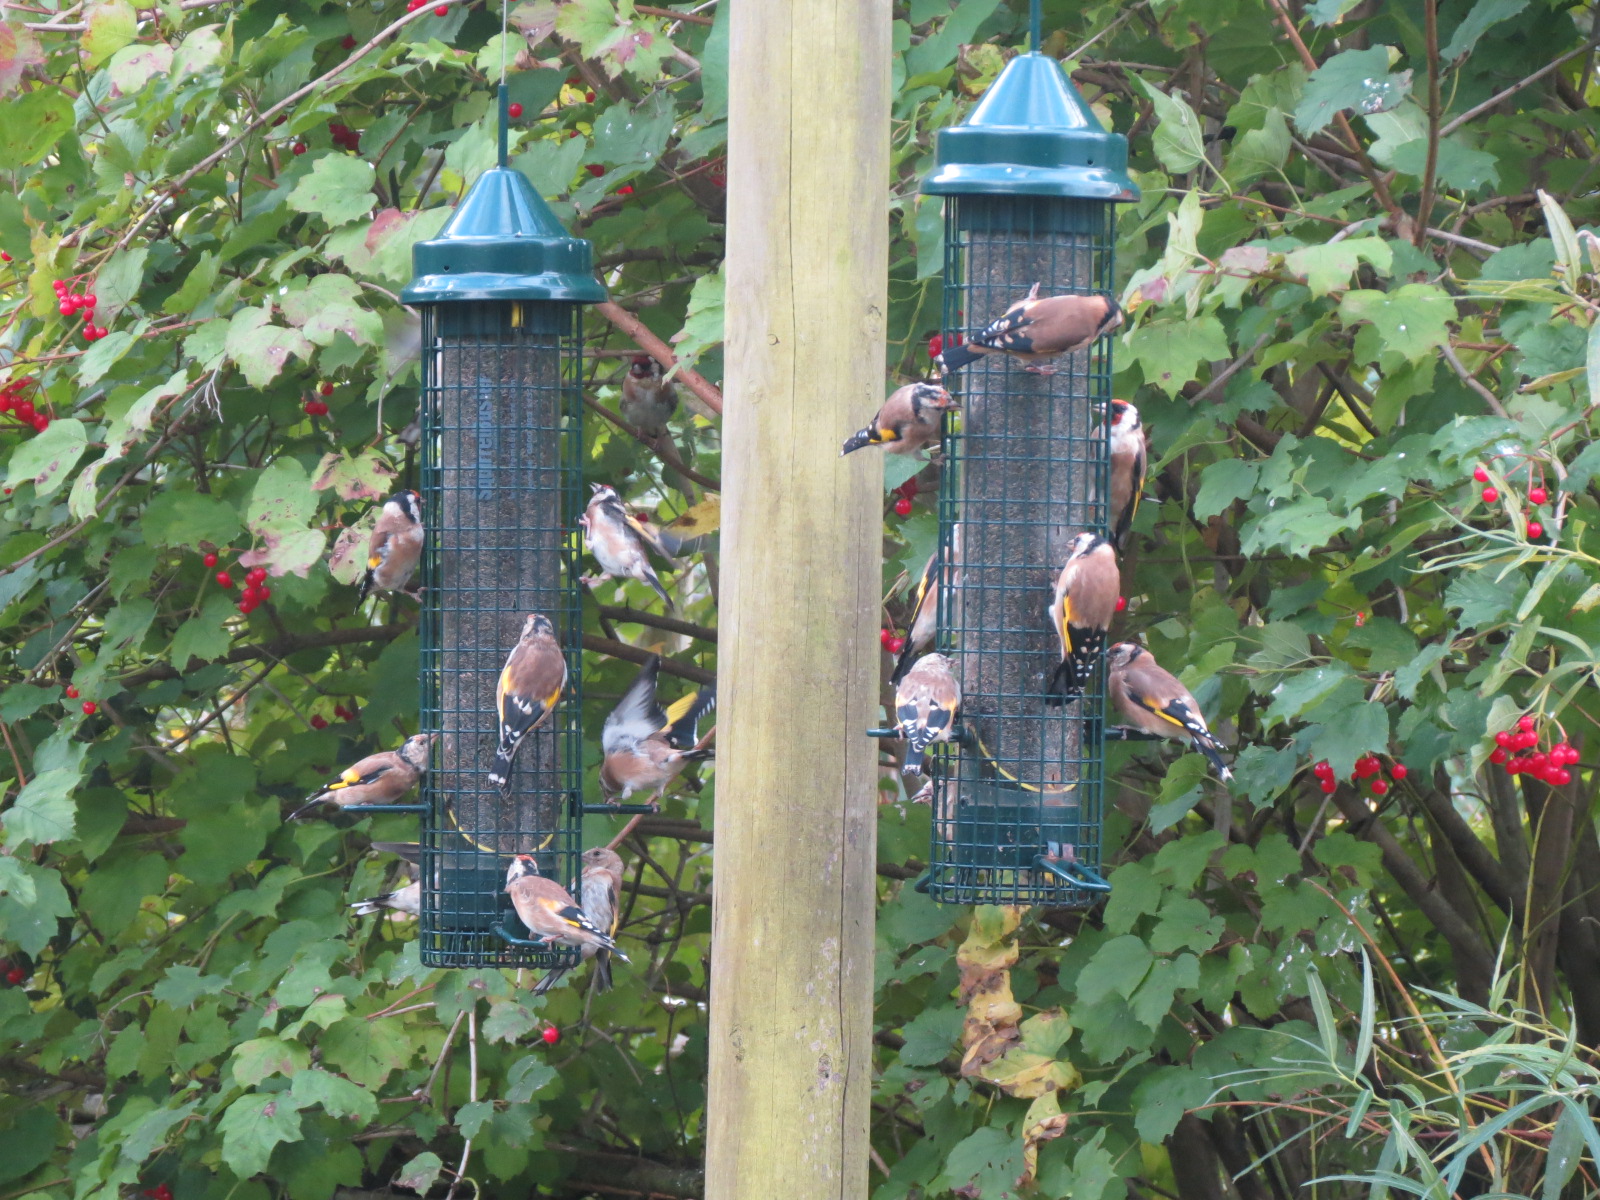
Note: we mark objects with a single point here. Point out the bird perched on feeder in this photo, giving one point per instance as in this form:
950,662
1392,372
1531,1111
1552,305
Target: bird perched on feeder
377,779
530,686
1153,700
907,422
925,608
647,398
395,546
1034,330
619,543
1129,458
925,706
1085,601
646,746
549,911
600,894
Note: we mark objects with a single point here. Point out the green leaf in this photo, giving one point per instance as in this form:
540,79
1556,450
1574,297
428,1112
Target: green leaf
333,1094
111,26
1413,320
1481,600
205,635
1326,12
1170,351
1484,14
262,1057
989,1159
43,812
35,1131
1179,143
367,1051
1224,481
32,899
1117,968
183,985
930,1036
338,189
252,1126
327,307
419,1174
364,476
1358,79
261,348
1181,787
44,459
470,1118
1260,151
1329,268
182,518
1593,366
527,1076
281,506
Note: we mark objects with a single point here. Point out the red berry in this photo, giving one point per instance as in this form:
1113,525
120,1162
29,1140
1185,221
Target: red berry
442,10
4,257
316,408
319,722
247,605
66,308
1481,475
298,148
90,708
163,1192
625,190
1537,495
348,41
15,976
255,575
514,111
589,96
40,422
224,579
1558,776
210,560
263,592
896,645
1526,739
1490,495
1122,603
24,410
595,169
903,507
935,346
1525,723
1379,787
551,1035
1497,757
1535,530
326,388
1398,771
1539,761
1329,786
72,692
60,286
89,300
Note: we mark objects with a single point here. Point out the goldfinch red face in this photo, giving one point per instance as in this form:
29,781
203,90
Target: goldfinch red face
644,367
522,866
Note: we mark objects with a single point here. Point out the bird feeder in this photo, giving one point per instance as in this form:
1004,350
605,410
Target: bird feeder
1029,182
501,291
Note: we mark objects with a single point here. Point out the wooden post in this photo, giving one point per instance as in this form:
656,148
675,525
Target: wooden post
791,974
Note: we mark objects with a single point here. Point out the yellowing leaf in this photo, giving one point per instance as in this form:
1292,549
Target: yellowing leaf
111,26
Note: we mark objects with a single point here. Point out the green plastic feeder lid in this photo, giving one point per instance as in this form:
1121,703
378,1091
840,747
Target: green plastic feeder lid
1031,135
503,243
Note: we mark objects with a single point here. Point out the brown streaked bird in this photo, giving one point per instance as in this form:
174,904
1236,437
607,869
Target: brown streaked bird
1035,330
648,399
377,779
600,895
925,707
530,686
925,608
1129,459
1153,700
1081,612
405,900
646,746
909,420
619,543
549,911
395,547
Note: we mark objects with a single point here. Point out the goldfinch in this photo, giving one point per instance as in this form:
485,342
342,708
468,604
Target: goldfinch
925,608
600,893
1034,330
925,707
548,910
908,421
619,543
1085,601
1153,700
1129,459
395,547
646,746
377,779
530,687
407,900
648,400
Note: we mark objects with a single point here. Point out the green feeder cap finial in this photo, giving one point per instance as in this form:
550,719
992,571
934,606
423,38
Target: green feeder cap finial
1031,135
503,243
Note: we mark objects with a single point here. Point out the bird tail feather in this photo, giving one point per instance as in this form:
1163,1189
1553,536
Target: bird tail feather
1209,746
602,970
1062,686
858,440
902,665
953,358
654,581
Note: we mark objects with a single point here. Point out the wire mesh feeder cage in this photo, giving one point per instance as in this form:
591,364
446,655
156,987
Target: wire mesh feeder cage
501,292
1030,181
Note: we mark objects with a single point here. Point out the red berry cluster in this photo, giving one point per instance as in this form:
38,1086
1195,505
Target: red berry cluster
1367,767
70,302
255,589
905,493
1549,766
891,643
936,344
318,721
343,713
1536,496
13,974
343,135
12,401
160,1192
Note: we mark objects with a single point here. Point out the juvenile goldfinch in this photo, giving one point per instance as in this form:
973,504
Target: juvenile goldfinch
530,686
925,707
1153,700
600,890
648,400
1129,458
395,546
619,543
407,900
549,911
646,746
1085,601
1034,330
377,779
908,421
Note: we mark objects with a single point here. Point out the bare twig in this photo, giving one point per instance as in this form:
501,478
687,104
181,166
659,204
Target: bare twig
1471,380
1478,110
634,654
1430,21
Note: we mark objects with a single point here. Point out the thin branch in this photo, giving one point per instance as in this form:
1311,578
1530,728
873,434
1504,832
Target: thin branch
1229,371
280,647
1430,21
664,450
634,654
1478,110
617,612
1471,380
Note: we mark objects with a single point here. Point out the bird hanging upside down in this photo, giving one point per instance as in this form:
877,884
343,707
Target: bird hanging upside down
619,542
909,420
1035,330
